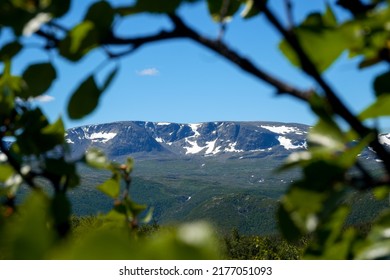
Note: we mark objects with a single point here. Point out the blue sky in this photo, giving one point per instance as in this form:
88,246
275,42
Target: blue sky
179,81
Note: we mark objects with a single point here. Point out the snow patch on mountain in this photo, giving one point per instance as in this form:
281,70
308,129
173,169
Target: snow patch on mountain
195,127
232,148
287,144
102,137
194,148
281,129
211,148
384,139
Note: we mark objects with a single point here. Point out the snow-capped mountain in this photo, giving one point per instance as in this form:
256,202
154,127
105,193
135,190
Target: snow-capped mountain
229,139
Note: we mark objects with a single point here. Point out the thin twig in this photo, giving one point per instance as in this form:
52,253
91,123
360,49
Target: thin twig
289,11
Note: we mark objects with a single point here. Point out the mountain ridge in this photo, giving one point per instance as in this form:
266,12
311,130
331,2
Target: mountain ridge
195,139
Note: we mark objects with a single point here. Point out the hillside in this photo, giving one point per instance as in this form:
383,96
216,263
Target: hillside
223,172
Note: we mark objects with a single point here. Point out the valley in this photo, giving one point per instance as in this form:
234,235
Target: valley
232,183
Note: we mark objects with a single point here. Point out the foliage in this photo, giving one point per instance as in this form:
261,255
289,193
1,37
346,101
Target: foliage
40,226
246,247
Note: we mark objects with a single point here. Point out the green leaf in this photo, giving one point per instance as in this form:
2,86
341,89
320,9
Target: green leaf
349,157
312,33
10,50
14,17
101,14
61,211
111,76
58,8
39,78
85,99
149,6
133,208
250,9
88,94
6,171
287,226
329,18
377,250
129,165
327,134
53,135
223,10
111,187
28,235
148,217
79,41
96,158
380,108
381,192
382,84
38,135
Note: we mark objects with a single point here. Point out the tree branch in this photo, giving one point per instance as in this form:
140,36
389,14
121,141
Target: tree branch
242,62
310,69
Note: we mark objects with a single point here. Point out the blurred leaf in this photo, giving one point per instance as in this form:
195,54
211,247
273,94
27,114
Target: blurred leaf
110,77
382,84
58,7
222,10
288,228
53,135
8,86
39,78
381,192
111,187
349,157
129,165
329,18
326,133
6,171
380,108
79,41
148,217
28,141
61,211
133,208
377,250
101,14
96,158
250,9
377,244
59,166
312,33
88,94
10,50
188,242
14,17
85,99
27,235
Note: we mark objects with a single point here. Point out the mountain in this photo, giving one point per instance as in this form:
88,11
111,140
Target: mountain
223,139
222,172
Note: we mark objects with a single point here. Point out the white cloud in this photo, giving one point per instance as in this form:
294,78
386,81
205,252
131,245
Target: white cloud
148,72
43,98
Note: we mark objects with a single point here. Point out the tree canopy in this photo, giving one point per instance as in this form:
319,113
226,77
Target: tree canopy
311,206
